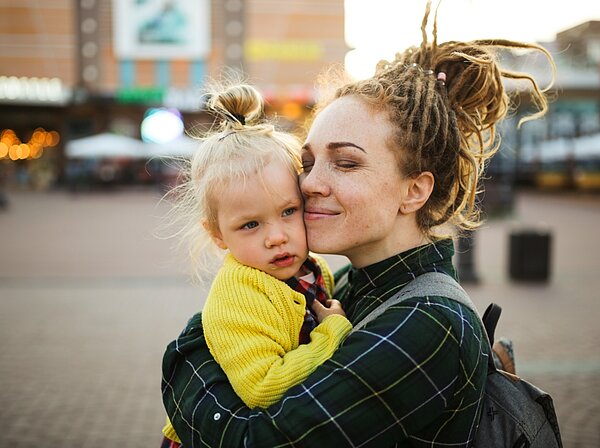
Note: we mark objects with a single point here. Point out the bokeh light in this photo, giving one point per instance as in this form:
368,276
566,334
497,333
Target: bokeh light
291,110
12,147
161,125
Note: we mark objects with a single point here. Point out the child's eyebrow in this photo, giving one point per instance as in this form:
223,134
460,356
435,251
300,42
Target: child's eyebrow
244,218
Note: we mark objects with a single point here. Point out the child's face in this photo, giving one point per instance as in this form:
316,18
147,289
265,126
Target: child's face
261,222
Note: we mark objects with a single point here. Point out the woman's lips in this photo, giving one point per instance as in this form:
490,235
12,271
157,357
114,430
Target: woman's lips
318,213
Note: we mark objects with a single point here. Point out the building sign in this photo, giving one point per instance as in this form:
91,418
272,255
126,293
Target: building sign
161,29
140,95
184,99
287,50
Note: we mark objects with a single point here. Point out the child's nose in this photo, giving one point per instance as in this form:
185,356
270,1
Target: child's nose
276,237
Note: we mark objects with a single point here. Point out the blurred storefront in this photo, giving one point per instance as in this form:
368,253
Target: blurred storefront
73,69
562,151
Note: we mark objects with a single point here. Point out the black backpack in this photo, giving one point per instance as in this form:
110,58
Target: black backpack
515,413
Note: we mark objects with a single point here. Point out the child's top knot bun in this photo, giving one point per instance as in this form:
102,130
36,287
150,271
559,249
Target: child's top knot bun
238,105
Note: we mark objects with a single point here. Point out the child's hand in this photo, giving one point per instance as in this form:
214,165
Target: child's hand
322,311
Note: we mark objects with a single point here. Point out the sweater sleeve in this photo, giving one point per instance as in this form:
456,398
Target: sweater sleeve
252,323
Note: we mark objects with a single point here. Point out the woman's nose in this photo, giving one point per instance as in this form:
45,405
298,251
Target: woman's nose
315,182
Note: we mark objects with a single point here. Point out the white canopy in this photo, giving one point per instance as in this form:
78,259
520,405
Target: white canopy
105,145
182,146
560,149
587,146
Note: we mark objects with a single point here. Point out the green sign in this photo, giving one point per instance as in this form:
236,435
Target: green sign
140,95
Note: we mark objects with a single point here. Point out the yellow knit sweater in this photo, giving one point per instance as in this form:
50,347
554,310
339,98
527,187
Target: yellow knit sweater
252,322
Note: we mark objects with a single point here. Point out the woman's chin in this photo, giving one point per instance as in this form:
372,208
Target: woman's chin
321,244
328,238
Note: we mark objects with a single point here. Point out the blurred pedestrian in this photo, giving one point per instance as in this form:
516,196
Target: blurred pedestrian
3,195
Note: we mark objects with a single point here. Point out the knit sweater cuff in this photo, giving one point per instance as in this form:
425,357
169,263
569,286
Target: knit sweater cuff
337,325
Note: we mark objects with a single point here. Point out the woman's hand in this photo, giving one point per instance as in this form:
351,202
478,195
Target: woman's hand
322,311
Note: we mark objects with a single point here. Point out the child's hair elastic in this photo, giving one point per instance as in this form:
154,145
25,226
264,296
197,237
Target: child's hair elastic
240,118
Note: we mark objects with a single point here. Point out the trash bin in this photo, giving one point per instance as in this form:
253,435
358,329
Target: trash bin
529,255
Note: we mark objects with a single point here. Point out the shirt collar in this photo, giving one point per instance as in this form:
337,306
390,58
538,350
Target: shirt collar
302,286
403,267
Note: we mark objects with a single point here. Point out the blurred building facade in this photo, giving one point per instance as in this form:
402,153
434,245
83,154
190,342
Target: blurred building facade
75,68
562,150
85,67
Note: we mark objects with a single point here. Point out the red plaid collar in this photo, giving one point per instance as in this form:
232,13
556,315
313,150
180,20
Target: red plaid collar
314,290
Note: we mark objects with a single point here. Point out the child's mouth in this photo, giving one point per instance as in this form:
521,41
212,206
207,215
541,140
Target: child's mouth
284,261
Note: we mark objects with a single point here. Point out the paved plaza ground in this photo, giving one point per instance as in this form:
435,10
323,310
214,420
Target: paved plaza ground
89,298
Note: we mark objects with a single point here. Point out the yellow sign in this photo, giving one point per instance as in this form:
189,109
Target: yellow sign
290,50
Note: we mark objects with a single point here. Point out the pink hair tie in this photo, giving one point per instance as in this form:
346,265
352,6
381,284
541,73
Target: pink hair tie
441,77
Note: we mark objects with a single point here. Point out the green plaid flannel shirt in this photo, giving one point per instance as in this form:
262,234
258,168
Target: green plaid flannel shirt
413,377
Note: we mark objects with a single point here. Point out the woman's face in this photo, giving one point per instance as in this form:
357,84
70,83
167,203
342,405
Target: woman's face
352,184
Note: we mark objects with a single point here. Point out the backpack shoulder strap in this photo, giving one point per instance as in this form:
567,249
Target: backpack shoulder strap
490,320
429,284
442,285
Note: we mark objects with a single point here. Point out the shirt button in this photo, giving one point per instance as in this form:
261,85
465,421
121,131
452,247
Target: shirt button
217,416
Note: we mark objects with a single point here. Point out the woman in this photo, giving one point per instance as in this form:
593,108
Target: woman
386,162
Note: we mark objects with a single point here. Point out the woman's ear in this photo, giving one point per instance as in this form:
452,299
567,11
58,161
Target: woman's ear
419,189
215,235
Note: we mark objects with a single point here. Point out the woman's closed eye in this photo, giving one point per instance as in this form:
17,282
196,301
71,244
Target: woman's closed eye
341,164
346,163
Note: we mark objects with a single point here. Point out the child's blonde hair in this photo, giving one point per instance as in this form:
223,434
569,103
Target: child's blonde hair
239,145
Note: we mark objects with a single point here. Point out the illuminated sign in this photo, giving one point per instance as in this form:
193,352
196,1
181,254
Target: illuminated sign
33,90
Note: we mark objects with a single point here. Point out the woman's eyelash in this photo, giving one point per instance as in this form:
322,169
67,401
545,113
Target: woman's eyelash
340,163
346,164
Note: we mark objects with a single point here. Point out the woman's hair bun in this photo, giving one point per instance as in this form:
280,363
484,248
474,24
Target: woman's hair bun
239,104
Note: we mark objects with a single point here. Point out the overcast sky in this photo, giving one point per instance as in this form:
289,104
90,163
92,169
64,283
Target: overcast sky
378,28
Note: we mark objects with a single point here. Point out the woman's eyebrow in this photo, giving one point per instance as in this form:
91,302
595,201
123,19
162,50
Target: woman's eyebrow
336,145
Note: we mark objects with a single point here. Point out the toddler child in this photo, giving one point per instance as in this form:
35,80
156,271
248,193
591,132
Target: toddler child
268,319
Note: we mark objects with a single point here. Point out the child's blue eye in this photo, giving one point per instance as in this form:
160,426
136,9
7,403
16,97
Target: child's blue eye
289,211
250,225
